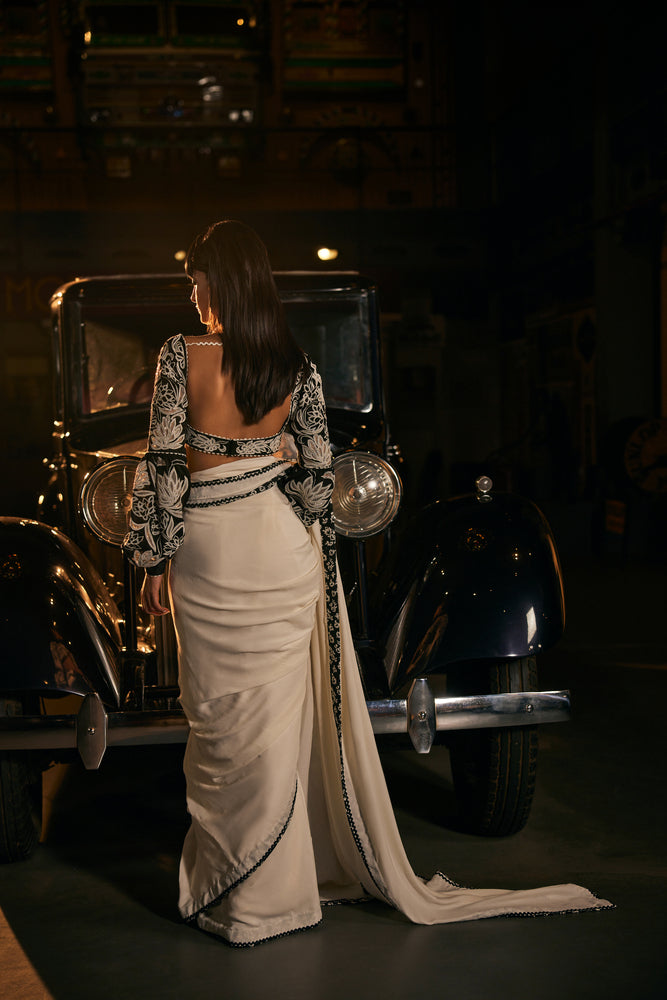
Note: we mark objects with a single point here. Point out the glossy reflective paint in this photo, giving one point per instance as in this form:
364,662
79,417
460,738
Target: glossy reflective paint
59,630
482,580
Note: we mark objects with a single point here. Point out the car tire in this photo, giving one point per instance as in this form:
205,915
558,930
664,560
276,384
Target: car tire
20,806
494,770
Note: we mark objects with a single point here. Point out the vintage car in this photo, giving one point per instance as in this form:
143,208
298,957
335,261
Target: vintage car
449,604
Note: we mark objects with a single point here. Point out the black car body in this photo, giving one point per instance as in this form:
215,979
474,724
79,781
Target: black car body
449,604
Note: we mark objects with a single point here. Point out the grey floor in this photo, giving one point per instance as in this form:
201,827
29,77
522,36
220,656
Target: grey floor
94,910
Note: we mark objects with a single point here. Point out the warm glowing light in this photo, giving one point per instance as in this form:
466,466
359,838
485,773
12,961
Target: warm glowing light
327,253
240,21
180,255
87,37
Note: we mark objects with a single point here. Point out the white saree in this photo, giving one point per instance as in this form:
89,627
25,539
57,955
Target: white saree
285,789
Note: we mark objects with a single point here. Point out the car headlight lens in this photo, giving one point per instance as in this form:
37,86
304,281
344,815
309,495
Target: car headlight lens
105,498
366,496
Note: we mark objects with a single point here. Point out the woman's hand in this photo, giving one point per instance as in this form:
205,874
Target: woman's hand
150,595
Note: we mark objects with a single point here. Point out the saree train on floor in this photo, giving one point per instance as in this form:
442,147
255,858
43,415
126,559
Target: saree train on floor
288,801
285,789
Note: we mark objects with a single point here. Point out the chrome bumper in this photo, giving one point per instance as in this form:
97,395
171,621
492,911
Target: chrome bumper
420,715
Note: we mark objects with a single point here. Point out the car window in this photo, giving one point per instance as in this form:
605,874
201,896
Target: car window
334,330
121,343
120,348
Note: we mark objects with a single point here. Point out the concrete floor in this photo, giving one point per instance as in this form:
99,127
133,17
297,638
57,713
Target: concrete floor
94,910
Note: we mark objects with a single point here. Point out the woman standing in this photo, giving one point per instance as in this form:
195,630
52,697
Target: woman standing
285,790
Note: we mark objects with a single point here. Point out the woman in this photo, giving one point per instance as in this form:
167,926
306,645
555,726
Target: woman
288,801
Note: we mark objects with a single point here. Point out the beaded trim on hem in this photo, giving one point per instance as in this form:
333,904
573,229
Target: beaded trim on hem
448,880
201,484
348,902
531,913
198,504
225,892
333,628
272,937
553,913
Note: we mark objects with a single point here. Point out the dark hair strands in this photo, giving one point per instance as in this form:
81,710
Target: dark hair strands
259,350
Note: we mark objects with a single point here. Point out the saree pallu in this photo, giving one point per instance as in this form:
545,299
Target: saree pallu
285,789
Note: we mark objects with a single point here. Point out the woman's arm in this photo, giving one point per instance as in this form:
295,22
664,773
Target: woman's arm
309,484
162,480
150,595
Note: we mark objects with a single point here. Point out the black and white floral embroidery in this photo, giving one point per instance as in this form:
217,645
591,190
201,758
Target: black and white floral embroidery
211,444
309,485
162,489
162,480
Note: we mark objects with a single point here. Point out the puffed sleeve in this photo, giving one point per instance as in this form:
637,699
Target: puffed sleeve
162,480
309,483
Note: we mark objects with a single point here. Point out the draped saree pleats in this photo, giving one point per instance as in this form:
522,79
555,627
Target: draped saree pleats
244,587
285,789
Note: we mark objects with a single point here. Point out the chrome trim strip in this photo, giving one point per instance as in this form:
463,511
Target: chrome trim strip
59,732
486,711
491,711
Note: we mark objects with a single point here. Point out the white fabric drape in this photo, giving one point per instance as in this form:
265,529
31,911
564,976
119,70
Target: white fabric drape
285,788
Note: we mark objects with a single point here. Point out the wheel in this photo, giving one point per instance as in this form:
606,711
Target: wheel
20,806
494,769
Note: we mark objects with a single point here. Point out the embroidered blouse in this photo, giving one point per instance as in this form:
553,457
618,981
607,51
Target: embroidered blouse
162,480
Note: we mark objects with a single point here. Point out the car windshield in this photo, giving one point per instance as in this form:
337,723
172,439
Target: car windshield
334,330
121,344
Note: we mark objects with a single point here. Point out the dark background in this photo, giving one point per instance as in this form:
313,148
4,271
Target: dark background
499,169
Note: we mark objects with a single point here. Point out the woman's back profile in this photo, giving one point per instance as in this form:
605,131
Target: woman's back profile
212,407
289,808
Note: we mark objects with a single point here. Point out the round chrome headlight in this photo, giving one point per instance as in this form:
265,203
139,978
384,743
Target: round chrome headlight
106,496
366,496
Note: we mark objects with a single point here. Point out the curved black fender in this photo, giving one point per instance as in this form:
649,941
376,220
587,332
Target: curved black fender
475,577
59,629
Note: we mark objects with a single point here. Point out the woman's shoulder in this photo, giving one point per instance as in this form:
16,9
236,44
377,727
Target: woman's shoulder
308,391
173,356
174,344
201,340
307,372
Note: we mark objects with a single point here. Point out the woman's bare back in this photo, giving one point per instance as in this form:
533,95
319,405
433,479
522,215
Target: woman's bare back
211,404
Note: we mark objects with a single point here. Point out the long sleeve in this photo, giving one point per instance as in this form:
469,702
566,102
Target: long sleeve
162,480
309,483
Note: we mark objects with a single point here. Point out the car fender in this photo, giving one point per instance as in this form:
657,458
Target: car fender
59,628
476,577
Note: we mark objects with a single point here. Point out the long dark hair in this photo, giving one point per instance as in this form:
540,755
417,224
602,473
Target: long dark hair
259,350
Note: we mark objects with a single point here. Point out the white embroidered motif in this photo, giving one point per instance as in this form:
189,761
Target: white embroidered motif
162,480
